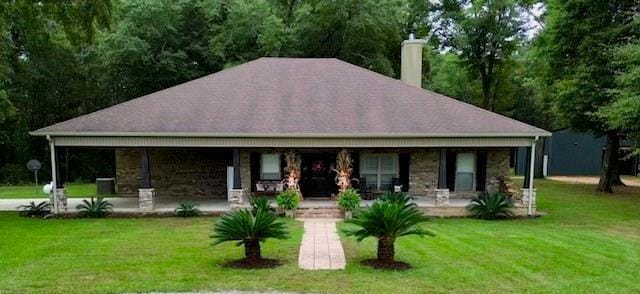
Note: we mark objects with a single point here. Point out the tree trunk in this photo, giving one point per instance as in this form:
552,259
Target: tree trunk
386,249
252,250
609,163
617,181
486,91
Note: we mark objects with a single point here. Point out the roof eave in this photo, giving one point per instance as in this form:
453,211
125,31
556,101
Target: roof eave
540,133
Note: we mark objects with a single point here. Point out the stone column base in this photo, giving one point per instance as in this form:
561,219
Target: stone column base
528,195
146,199
442,197
61,194
236,197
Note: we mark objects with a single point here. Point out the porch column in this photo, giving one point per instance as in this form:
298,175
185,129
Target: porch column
528,192
527,172
146,193
237,180
442,192
54,175
236,194
58,193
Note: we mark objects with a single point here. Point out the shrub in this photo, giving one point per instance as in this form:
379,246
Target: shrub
259,203
95,208
248,230
288,199
187,209
35,210
349,199
491,206
387,221
397,197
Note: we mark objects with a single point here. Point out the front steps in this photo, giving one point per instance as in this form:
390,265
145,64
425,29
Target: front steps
319,212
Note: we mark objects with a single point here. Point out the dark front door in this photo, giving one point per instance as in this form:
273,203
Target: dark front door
317,175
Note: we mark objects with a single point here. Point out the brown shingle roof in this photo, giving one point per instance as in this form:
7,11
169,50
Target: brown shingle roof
295,96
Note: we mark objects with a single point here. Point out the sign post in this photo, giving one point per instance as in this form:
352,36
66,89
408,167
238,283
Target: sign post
34,165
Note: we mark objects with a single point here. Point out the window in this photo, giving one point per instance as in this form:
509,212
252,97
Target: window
465,171
270,166
378,170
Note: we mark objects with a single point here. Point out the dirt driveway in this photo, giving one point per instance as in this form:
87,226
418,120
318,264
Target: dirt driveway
593,180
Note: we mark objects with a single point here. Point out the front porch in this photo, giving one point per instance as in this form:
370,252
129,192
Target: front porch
441,180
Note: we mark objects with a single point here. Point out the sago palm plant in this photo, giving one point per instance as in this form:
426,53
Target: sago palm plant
95,208
32,209
397,197
491,206
187,209
387,221
249,230
258,203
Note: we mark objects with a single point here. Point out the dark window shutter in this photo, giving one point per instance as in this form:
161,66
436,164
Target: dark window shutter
404,171
451,170
481,171
355,164
254,160
283,165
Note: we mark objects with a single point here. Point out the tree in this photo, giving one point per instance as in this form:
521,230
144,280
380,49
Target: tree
155,45
246,30
39,71
485,33
366,33
576,43
624,112
448,76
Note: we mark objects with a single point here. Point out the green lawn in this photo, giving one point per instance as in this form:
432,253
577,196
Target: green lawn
588,242
74,190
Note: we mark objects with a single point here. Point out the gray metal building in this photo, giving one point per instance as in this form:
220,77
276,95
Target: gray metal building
573,153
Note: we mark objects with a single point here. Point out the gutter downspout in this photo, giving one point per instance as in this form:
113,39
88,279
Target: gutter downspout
531,171
53,174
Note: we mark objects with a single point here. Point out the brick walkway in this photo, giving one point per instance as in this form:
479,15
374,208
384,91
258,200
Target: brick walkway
321,247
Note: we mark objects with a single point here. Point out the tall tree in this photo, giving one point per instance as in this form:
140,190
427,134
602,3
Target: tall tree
367,33
485,33
154,45
39,75
624,112
577,41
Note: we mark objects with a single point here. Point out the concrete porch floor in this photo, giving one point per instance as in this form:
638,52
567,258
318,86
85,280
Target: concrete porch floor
130,204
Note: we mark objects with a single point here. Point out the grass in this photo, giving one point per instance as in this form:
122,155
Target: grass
74,190
588,242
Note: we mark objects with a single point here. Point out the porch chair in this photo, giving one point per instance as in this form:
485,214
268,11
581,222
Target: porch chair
365,190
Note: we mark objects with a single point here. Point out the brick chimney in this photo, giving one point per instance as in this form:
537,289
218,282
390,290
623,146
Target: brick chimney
411,68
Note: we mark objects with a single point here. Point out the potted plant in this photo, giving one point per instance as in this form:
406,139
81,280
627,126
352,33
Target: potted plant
288,200
349,200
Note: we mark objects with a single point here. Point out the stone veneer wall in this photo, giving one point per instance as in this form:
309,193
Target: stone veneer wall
423,172
245,171
202,173
175,173
425,163
497,166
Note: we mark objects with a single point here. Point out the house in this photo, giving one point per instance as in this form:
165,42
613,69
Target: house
224,135
568,153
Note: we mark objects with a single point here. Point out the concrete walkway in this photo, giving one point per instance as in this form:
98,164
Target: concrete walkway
321,247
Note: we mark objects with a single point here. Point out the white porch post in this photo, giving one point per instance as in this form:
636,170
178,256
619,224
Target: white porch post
532,163
54,177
